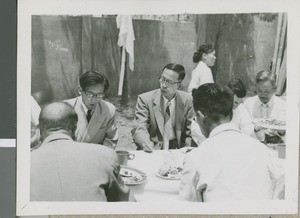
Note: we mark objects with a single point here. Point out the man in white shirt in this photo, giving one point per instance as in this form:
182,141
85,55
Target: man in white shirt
265,104
241,117
229,165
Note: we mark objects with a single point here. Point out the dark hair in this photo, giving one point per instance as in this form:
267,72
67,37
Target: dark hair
207,48
177,68
91,78
238,87
58,116
213,100
264,75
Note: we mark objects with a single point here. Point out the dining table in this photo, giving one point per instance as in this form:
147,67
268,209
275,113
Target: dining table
158,188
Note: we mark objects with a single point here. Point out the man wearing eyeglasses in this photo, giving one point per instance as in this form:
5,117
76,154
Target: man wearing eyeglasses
164,115
96,117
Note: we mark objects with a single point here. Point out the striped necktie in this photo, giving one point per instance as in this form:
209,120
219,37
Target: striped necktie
167,127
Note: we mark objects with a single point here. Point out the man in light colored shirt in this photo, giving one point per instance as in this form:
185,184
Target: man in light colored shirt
265,104
96,117
164,115
229,165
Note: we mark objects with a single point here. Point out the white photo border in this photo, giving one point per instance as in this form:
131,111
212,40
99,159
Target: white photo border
27,8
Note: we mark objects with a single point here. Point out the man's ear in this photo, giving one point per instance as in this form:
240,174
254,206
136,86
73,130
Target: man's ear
201,115
79,90
180,87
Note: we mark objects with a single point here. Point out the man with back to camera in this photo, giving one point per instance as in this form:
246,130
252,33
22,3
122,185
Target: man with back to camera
65,170
96,117
164,115
266,105
229,165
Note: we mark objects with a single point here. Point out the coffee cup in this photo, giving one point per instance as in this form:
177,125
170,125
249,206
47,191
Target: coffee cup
124,156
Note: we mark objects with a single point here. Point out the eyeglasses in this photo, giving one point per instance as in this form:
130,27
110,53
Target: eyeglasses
90,95
166,81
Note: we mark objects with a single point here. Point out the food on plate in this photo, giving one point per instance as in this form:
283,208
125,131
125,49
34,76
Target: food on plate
170,171
272,122
134,179
131,176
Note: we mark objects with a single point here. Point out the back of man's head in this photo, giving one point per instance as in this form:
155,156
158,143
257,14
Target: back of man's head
57,116
214,101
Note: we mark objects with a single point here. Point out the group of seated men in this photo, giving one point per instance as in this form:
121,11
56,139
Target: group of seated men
79,136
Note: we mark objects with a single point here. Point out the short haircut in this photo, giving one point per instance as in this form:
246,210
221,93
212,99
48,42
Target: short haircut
203,49
177,68
238,87
57,116
264,76
91,78
213,100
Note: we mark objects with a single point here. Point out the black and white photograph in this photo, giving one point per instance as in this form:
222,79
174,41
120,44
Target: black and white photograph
150,108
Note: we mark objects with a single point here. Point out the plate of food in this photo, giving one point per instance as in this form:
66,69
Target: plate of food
271,123
169,171
132,176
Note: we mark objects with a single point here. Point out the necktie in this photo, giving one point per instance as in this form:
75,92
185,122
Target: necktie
264,110
89,115
167,127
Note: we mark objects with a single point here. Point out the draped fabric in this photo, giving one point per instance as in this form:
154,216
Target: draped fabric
279,59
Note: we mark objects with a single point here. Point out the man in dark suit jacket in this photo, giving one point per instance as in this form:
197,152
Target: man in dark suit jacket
164,115
65,170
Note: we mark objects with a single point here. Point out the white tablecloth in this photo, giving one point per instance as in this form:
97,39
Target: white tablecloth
158,189
155,189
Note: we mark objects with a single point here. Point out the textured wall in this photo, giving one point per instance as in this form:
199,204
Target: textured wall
63,47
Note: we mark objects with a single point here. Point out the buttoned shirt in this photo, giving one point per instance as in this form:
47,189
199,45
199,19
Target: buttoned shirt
200,75
228,166
275,108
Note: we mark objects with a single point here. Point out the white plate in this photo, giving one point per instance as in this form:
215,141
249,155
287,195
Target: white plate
172,177
129,173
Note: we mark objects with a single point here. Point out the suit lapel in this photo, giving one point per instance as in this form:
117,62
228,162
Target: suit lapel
179,116
96,122
158,111
82,121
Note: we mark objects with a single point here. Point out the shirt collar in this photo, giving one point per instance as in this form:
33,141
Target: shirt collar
223,127
57,136
82,104
172,101
201,63
270,103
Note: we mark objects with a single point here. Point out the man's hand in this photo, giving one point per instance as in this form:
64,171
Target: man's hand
148,147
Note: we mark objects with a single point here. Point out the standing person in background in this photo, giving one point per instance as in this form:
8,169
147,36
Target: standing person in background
205,57
265,105
96,117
